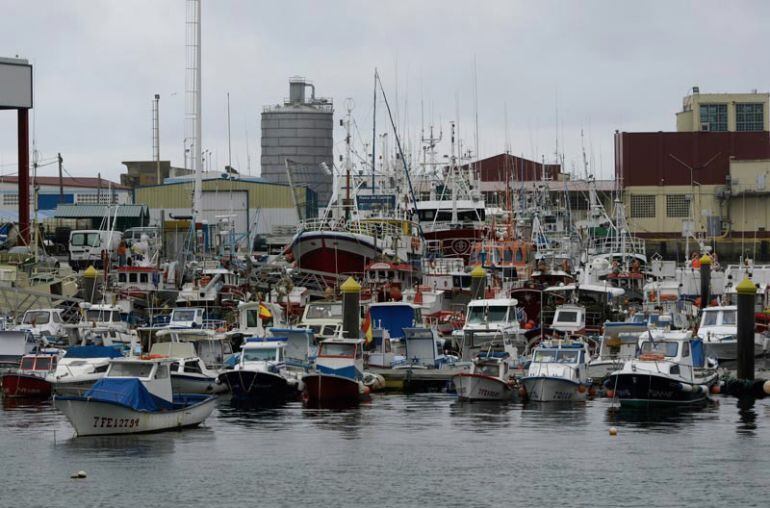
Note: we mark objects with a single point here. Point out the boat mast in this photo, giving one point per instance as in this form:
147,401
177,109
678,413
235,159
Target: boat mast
374,130
347,205
193,85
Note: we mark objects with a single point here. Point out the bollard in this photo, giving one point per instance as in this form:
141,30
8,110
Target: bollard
478,282
746,293
351,308
705,281
90,281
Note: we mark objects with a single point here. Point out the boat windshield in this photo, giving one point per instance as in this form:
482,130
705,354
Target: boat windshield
491,369
324,311
183,315
567,316
36,317
98,315
259,355
668,349
27,363
729,317
709,318
492,314
130,369
337,349
556,356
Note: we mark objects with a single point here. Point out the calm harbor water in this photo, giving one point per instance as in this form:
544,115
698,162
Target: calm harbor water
399,450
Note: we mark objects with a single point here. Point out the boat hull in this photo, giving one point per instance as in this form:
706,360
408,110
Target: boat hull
96,418
641,389
185,383
553,389
480,387
333,252
23,385
258,387
330,389
728,350
73,388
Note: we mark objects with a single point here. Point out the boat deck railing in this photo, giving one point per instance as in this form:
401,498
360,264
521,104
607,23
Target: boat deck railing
614,244
374,228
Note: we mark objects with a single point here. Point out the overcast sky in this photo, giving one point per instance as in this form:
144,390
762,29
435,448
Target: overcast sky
605,65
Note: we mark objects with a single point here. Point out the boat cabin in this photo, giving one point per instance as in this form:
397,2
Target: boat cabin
154,374
719,321
493,364
569,318
14,345
39,365
421,348
567,353
323,318
186,317
678,349
48,322
263,350
395,317
209,347
492,313
341,357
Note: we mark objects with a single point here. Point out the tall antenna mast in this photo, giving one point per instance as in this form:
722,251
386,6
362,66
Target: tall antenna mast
374,130
156,136
193,95
229,145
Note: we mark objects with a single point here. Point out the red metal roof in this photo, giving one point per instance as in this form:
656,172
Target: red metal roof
661,158
81,181
497,167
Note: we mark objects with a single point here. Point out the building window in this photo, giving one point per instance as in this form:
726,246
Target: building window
643,206
677,206
425,196
490,198
10,199
749,117
578,201
97,199
713,117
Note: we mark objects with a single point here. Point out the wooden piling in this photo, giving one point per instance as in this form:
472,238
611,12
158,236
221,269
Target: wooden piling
478,282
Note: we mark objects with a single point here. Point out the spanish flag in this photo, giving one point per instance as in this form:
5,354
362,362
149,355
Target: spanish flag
366,329
264,312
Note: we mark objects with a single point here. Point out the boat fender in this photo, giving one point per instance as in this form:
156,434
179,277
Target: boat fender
715,389
581,388
522,392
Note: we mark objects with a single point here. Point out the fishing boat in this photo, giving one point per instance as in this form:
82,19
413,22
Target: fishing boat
719,330
135,396
261,374
80,368
13,346
619,343
189,373
29,380
493,322
337,377
669,370
558,372
488,379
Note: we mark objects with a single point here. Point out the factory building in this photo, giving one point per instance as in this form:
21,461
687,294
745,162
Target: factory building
724,112
299,134
142,173
50,191
245,206
705,185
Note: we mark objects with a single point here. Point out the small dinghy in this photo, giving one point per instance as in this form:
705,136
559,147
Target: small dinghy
135,396
30,379
488,379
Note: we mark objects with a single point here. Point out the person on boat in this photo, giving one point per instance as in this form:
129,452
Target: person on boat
122,250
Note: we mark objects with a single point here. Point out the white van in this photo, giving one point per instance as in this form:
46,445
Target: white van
86,246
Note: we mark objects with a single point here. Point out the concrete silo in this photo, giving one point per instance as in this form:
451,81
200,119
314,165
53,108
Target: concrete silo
300,131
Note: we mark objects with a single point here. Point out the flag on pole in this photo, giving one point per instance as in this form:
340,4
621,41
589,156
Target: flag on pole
366,328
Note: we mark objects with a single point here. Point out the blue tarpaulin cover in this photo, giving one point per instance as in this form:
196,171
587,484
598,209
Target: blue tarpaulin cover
698,353
92,352
129,392
393,318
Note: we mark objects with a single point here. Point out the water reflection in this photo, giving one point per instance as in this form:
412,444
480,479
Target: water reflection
747,416
482,416
659,418
346,420
554,413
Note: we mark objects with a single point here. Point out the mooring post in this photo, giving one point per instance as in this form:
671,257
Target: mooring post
351,308
478,282
89,284
705,281
746,295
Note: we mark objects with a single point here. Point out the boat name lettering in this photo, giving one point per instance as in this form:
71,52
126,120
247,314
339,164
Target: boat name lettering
115,423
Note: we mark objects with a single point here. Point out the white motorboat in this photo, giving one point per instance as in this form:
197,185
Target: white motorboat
104,324
619,343
719,331
43,323
493,321
135,396
488,379
80,368
261,374
669,370
558,372
189,373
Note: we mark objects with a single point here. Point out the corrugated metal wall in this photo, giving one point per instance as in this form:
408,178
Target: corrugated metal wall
179,195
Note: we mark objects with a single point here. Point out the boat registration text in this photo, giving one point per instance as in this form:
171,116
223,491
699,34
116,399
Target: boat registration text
115,423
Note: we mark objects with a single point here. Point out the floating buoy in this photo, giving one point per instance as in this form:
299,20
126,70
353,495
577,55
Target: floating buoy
715,389
610,394
522,392
581,388
79,475
592,391
613,431
766,387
